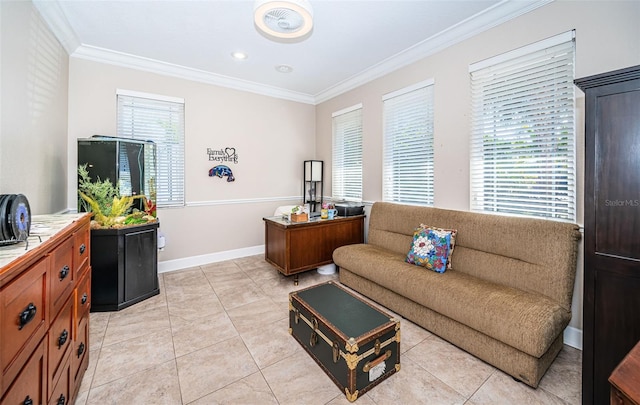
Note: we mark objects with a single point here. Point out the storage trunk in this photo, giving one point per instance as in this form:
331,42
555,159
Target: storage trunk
357,345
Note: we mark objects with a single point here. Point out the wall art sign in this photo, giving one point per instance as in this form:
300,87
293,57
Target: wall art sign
223,155
227,155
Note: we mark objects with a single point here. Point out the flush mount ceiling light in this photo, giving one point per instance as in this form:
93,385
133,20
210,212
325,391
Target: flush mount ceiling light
286,19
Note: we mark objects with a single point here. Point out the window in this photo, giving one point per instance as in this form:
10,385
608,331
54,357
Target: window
347,154
159,119
408,145
523,141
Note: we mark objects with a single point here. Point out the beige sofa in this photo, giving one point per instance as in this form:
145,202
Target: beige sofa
506,299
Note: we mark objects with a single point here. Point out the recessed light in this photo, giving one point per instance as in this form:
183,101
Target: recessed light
284,68
238,55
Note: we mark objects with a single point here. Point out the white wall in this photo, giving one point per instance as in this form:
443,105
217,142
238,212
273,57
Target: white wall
272,138
607,38
33,112
39,129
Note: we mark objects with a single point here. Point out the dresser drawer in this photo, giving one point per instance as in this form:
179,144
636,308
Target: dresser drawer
81,249
61,389
82,296
31,382
618,398
24,318
62,275
60,340
80,354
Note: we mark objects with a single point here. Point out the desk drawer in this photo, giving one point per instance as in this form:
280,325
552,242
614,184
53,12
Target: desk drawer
23,318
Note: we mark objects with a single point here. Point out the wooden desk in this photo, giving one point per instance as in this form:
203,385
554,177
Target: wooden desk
294,247
625,379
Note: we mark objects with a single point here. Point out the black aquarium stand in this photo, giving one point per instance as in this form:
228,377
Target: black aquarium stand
124,266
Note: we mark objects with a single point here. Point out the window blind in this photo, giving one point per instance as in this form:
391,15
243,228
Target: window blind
161,120
523,139
408,145
347,154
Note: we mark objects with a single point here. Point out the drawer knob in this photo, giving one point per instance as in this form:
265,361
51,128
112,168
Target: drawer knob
61,400
28,401
64,272
80,349
84,299
63,338
27,315
82,248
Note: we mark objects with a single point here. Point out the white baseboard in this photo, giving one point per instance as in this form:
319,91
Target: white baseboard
573,337
193,261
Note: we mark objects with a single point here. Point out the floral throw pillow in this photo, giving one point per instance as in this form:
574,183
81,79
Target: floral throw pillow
430,249
454,233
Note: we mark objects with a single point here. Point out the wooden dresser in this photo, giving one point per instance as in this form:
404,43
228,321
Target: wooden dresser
45,296
625,379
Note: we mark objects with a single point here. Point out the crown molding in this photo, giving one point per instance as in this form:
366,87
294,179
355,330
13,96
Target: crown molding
108,56
474,25
54,17
496,15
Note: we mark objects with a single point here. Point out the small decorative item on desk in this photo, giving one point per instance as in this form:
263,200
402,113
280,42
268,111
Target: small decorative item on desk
299,214
328,211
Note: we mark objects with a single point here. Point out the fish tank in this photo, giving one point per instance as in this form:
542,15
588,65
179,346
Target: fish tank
130,163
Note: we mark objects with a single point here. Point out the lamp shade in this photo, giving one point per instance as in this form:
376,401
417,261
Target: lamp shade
313,170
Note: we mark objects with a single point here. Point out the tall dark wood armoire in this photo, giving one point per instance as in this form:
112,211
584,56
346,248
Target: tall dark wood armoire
611,226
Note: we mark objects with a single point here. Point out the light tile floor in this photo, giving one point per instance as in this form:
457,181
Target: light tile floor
218,334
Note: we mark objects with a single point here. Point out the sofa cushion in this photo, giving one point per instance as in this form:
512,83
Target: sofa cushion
430,249
527,321
534,255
